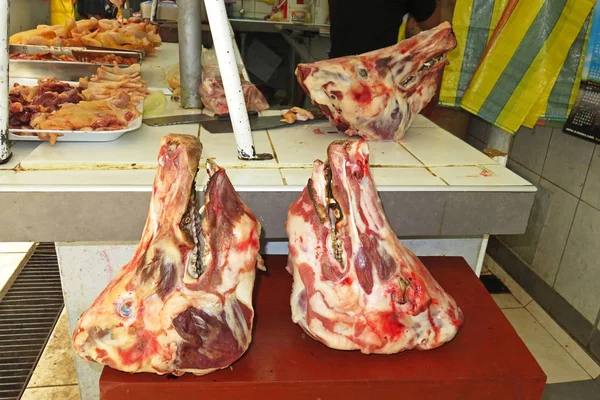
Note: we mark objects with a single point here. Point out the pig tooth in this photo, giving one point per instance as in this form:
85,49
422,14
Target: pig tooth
192,270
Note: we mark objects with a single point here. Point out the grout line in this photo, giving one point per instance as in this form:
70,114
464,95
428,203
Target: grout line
596,323
411,153
435,175
51,386
272,146
567,334
587,173
562,254
547,151
282,177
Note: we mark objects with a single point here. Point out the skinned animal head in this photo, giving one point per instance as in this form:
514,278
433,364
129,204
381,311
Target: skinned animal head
377,95
355,284
184,301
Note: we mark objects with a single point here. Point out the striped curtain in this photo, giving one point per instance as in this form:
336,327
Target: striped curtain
513,84
473,23
563,93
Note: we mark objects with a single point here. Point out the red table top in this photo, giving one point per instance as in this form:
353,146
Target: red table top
486,359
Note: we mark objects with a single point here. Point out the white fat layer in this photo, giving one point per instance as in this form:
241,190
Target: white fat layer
387,92
154,315
349,307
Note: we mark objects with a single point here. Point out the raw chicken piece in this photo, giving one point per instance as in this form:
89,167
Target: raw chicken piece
356,287
184,302
377,95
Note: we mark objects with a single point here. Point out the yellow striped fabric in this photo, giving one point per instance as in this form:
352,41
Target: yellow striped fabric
452,72
524,62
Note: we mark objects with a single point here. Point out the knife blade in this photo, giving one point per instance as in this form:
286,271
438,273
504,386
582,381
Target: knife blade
188,119
176,120
217,126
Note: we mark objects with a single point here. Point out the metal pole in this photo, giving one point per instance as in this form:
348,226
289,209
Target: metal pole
5,152
189,28
223,42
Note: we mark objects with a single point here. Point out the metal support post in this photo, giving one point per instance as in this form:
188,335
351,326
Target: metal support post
223,41
189,27
5,152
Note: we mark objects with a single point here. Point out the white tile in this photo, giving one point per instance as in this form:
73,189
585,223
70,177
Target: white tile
391,154
116,178
296,176
15,247
251,177
506,300
558,365
479,175
138,149
564,340
422,121
436,147
414,176
223,149
520,294
300,146
10,266
19,151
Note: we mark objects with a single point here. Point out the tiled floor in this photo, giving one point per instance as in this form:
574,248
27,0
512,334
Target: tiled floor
12,257
560,357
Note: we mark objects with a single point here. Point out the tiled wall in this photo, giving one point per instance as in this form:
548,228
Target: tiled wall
562,242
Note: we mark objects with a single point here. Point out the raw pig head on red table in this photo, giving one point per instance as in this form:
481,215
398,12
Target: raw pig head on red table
356,287
378,94
184,302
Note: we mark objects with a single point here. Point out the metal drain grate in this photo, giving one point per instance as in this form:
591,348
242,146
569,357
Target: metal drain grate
28,313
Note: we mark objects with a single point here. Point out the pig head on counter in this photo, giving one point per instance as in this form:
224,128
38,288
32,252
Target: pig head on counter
377,95
184,301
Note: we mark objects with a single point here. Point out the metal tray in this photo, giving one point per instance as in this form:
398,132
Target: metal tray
72,136
63,70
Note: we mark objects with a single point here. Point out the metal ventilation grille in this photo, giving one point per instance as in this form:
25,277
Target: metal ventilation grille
28,313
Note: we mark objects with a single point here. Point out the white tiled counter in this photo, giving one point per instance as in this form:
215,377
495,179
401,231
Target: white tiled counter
442,196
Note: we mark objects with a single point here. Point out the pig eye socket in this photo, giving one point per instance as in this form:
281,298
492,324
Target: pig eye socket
125,308
362,73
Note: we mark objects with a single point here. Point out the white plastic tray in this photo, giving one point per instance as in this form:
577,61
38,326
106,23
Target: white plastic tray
72,136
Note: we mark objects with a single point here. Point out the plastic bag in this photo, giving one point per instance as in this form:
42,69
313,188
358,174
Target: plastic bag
526,56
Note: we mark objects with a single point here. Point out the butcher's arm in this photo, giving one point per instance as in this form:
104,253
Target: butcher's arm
426,12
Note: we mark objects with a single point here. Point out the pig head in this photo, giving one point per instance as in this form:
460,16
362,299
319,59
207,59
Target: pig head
377,95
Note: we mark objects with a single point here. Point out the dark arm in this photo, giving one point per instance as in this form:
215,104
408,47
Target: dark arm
426,12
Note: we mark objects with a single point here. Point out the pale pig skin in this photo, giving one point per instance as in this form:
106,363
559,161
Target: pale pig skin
184,302
377,95
356,287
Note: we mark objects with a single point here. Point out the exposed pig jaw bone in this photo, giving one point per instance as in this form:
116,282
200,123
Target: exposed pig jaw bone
356,287
378,94
184,301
